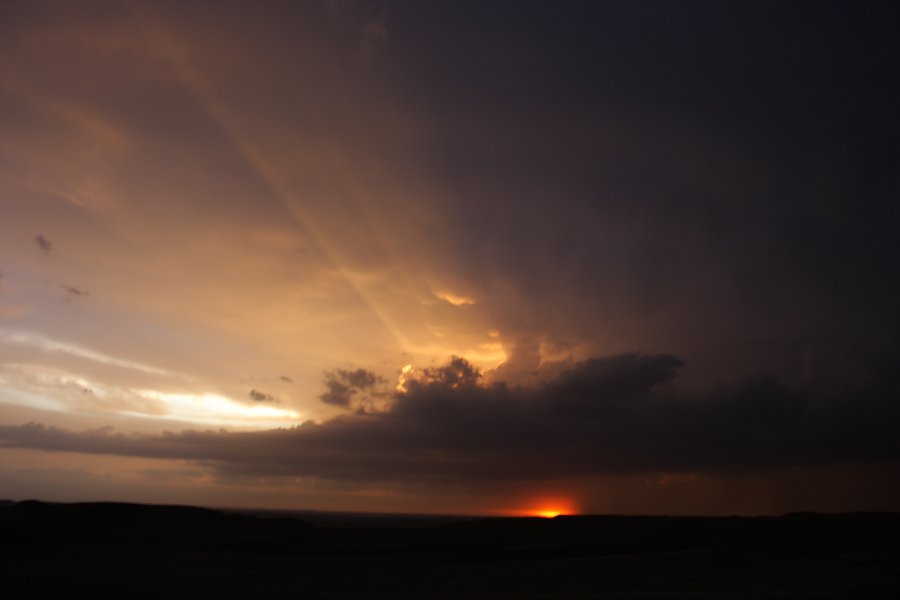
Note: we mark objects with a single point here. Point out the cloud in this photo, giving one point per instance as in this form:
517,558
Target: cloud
338,394
73,292
454,299
43,243
360,378
45,344
456,373
258,396
343,387
620,414
286,379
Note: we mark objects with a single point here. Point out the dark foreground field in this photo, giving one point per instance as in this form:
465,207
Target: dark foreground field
127,551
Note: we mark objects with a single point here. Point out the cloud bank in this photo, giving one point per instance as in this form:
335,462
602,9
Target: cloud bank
620,414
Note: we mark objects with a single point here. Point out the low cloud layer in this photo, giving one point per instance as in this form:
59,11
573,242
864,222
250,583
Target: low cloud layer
621,414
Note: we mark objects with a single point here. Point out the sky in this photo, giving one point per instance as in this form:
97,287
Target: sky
451,257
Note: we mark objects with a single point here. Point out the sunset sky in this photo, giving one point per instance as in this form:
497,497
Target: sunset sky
451,257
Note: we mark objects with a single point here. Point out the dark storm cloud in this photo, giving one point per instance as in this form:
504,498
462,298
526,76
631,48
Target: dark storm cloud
456,373
614,415
338,394
669,166
716,179
360,378
344,386
258,396
43,243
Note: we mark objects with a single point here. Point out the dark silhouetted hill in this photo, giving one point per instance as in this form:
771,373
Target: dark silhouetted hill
96,550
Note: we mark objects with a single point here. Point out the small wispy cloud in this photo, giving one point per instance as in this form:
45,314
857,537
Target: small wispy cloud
454,299
43,243
73,292
20,338
258,396
214,409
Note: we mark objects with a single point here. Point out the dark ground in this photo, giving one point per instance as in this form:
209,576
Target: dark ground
140,551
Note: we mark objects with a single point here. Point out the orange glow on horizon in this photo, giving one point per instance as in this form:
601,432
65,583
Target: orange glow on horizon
547,508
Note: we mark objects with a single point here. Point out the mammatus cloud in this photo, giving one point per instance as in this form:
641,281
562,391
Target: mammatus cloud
43,243
620,414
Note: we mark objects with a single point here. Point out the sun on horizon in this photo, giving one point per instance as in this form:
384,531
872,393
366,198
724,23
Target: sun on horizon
548,509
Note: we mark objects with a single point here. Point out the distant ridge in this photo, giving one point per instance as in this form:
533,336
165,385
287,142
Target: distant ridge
100,549
121,519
